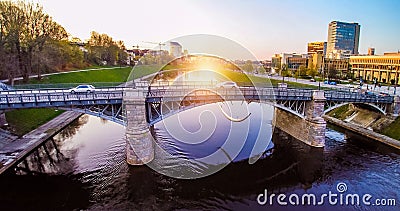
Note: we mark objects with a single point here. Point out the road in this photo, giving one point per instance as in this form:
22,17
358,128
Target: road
57,73
383,89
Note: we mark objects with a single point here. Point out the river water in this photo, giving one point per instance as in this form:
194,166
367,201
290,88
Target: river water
84,167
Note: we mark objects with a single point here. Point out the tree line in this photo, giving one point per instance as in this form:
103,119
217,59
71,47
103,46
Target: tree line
32,43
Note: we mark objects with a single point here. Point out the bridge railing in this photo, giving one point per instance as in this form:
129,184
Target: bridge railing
356,97
64,85
246,92
59,90
8,100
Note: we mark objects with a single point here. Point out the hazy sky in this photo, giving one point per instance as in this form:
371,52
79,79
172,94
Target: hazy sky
264,27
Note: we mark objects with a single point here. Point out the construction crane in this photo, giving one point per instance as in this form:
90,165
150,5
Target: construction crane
159,44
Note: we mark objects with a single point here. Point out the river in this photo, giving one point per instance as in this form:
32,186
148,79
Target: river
83,167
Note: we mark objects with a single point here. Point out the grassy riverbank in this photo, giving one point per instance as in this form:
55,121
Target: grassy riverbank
25,120
243,78
116,74
393,130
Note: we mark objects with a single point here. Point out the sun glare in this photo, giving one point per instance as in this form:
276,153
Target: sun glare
201,68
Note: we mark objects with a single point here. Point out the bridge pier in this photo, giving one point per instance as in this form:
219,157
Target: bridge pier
139,141
3,120
311,128
317,125
394,109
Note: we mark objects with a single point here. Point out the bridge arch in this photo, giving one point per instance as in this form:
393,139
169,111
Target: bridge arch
163,110
111,113
379,108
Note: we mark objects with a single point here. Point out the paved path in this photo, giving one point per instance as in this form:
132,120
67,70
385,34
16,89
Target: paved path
16,150
58,73
364,132
382,89
6,137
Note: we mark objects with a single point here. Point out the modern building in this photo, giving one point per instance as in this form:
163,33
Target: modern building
339,54
175,49
289,60
297,60
292,61
343,36
316,61
371,51
340,67
316,47
267,64
384,68
276,63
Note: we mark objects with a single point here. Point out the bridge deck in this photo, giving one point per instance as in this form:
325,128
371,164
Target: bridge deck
46,98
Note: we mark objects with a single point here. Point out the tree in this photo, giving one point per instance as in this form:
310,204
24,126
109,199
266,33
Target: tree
277,68
26,29
102,48
303,70
312,72
332,74
248,66
285,71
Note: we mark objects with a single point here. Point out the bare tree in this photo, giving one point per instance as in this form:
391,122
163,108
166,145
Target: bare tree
25,29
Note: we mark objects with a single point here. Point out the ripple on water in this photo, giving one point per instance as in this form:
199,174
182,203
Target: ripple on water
99,164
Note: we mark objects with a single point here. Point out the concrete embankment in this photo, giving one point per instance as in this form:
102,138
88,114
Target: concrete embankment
18,149
364,132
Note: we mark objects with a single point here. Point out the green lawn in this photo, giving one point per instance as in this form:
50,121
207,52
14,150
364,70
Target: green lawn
393,130
101,75
243,78
340,113
25,120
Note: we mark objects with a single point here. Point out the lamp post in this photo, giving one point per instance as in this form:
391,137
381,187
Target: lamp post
133,78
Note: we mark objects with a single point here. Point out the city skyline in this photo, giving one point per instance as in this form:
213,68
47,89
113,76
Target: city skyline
265,28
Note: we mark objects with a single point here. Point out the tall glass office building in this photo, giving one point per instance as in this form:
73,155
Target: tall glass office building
343,36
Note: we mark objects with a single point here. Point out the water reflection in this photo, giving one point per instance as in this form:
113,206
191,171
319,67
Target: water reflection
201,141
43,192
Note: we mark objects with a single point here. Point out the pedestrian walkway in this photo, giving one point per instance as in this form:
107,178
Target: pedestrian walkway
6,137
58,73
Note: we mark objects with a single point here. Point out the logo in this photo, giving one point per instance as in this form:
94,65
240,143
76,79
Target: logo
339,197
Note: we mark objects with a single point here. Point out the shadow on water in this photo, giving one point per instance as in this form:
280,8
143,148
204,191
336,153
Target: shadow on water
36,183
48,157
44,192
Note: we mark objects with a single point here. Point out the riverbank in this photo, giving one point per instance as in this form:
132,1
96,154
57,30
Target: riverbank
63,72
16,150
364,132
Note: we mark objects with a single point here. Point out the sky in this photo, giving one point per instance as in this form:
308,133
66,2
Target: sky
264,27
